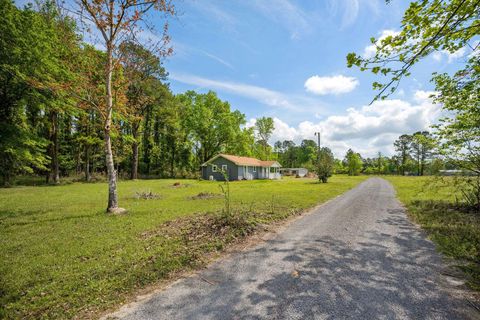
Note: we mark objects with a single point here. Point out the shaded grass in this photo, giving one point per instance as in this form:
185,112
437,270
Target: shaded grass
455,231
62,256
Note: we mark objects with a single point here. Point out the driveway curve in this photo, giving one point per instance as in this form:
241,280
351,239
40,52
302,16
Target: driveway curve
356,257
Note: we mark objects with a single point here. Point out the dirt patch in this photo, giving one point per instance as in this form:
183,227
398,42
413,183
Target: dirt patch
177,185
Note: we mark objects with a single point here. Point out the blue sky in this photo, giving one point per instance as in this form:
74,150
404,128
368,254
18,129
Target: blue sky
286,59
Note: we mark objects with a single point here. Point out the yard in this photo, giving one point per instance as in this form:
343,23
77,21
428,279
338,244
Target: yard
62,256
455,232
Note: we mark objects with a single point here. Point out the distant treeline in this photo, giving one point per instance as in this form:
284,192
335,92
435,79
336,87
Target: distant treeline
415,155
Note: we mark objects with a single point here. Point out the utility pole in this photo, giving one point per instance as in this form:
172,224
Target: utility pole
318,137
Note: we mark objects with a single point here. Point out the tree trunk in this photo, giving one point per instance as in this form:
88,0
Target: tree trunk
146,142
87,163
111,173
134,173
172,161
418,165
55,162
54,173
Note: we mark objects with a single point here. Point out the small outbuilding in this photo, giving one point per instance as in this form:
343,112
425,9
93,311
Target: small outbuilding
239,168
297,172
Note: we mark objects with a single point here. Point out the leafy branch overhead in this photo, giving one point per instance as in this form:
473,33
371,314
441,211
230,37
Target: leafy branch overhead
427,26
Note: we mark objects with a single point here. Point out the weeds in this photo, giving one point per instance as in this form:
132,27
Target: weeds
225,187
146,195
206,195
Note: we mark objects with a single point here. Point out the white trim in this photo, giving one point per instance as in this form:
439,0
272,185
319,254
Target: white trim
214,168
224,167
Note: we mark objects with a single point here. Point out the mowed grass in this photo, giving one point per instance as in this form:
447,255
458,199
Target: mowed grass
455,232
63,257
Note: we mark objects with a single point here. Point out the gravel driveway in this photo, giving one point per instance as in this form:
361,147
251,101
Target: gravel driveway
356,257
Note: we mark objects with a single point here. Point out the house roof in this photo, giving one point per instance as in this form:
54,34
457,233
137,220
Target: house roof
245,161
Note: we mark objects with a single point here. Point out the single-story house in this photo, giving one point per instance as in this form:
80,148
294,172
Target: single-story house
298,172
239,168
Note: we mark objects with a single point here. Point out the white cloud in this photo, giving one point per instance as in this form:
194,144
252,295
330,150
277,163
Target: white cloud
330,85
285,13
456,55
265,96
367,129
212,11
451,57
369,51
349,10
218,59
437,56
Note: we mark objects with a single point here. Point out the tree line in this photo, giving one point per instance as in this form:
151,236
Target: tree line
415,155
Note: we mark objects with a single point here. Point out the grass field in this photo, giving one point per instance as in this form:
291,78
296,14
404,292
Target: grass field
455,232
62,256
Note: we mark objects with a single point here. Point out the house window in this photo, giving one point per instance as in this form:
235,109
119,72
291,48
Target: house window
214,168
254,169
224,167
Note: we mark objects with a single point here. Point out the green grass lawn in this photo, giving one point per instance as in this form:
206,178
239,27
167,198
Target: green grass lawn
61,255
455,232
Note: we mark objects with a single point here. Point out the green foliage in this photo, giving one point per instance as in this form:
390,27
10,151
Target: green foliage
325,164
100,260
421,145
291,155
353,162
459,131
264,127
212,126
402,147
26,59
427,26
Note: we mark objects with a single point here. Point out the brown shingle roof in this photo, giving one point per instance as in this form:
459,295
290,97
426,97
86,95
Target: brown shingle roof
244,161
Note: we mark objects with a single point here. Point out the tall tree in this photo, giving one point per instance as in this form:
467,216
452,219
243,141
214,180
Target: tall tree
402,146
117,21
325,164
380,163
143,73
353,163
213,126
264,127
421,145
